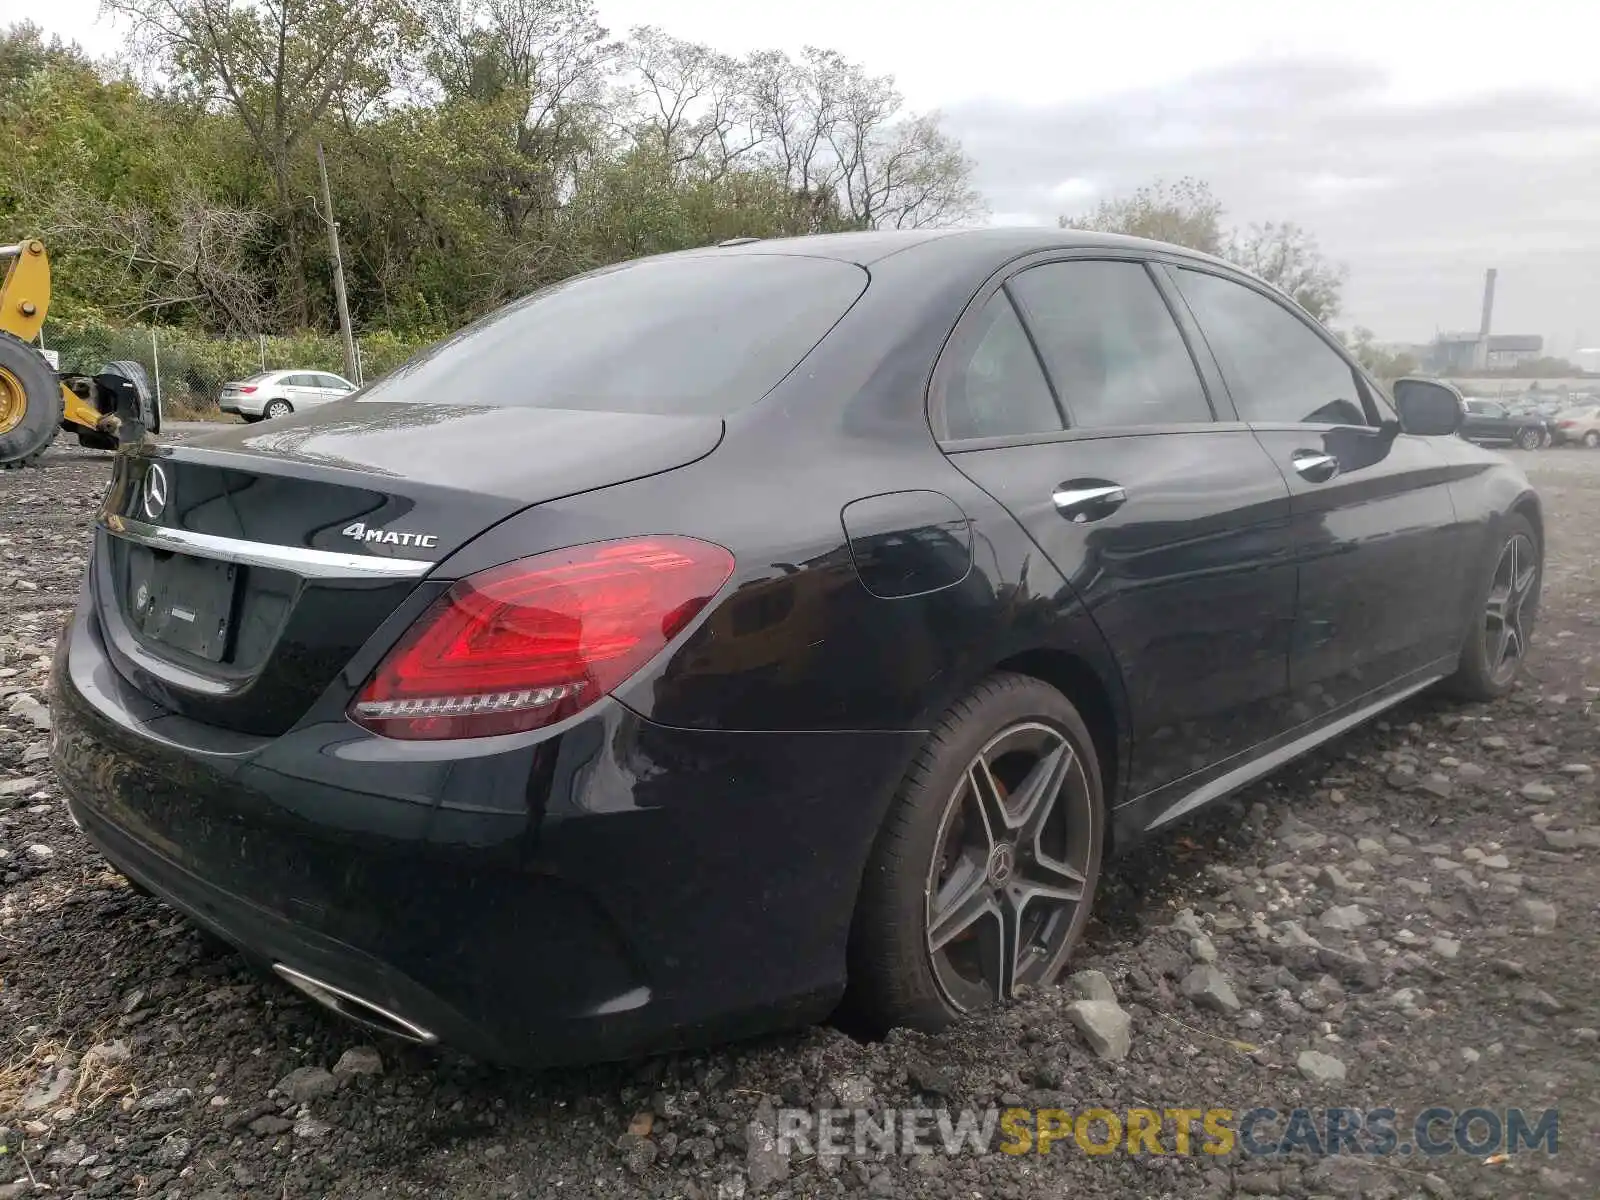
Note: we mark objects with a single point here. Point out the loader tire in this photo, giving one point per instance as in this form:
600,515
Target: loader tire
30,403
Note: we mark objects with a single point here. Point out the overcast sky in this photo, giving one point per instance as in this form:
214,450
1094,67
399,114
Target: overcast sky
1421,140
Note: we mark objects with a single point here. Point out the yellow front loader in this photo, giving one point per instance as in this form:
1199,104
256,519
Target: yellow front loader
35,402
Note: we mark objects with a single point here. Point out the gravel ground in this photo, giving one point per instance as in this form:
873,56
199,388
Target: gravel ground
1417,903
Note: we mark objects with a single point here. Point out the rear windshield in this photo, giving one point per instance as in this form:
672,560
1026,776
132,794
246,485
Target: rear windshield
702,335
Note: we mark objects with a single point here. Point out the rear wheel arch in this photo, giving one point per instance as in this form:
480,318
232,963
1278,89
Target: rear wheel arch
1076,679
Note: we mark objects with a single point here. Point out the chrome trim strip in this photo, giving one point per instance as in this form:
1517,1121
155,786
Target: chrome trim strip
313,564
1273,759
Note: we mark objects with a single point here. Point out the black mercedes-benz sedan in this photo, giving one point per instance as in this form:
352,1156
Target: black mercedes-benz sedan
699,643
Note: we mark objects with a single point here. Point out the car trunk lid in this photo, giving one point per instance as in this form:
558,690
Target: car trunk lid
237,574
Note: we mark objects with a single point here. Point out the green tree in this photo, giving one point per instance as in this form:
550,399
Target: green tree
281,67
1184,213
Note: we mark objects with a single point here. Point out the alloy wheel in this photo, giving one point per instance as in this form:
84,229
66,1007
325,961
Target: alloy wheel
1529,439
278,408
1011,867
1505,638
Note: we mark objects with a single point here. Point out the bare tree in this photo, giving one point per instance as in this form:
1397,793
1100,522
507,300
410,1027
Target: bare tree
1288,257
196,259
690,102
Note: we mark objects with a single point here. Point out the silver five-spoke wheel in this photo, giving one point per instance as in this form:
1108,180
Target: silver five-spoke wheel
1504,635
1011,866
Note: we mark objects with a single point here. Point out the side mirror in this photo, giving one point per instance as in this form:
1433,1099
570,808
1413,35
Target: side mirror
1428,408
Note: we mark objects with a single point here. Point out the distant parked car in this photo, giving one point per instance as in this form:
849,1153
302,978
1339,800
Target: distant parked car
1486,421
1579,425
279,393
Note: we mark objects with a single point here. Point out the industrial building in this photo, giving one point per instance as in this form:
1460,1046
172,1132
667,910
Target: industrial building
1483,350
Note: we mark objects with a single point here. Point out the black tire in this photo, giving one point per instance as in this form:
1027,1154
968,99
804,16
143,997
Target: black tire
29,437
1483,674
1528,439
894,977
1592,439
149,403
276,408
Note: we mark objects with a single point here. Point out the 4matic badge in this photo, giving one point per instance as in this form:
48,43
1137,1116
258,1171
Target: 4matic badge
388,537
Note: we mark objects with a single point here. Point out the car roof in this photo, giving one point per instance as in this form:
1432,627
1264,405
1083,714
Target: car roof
868,247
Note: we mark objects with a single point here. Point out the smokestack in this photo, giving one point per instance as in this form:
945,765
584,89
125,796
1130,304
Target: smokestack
1488,302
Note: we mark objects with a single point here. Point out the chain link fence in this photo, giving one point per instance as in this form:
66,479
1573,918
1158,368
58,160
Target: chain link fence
188,369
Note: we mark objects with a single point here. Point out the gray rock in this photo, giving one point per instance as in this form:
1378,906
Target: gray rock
1344,918
30,710
47,1093
1106,1028
308,1128
1371,848
1336,879
638,1153
1351,969
1539,1000
1471,773
1092,985
1540,913
69,1155
270,1125
1417,887
1495,862
1537,791
1319,1067
1495,742
853,1091
1186,923
1437,785
1445,947
1202,949
40,853
20,786
938,1079
764,1160
172,1151
164,1099
358,1060
304,1084
1577,770
1207,987
1304,843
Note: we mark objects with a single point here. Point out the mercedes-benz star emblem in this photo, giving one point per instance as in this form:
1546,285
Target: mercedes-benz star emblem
154,498
1001,863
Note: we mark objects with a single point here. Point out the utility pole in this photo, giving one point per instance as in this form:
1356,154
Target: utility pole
352,368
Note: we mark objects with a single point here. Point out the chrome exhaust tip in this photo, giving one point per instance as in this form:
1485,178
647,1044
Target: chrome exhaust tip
353,1008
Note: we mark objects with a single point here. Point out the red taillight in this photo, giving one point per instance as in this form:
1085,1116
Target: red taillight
246,389
529,643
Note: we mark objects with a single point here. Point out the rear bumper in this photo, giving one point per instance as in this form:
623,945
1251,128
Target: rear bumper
242,407
615,889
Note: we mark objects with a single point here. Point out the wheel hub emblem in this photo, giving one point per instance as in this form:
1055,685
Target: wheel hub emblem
154,497
1002,862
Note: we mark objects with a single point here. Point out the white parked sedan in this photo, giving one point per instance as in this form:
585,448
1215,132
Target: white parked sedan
279,393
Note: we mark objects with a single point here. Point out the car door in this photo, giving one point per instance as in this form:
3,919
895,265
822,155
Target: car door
331,388
1486,421
1070,395
1380,555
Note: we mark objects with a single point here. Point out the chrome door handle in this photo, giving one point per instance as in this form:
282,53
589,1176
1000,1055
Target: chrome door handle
1314,465
1088,503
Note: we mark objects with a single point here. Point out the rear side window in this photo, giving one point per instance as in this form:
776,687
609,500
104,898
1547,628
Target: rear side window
702,335
997,387
1113,349
1278,370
